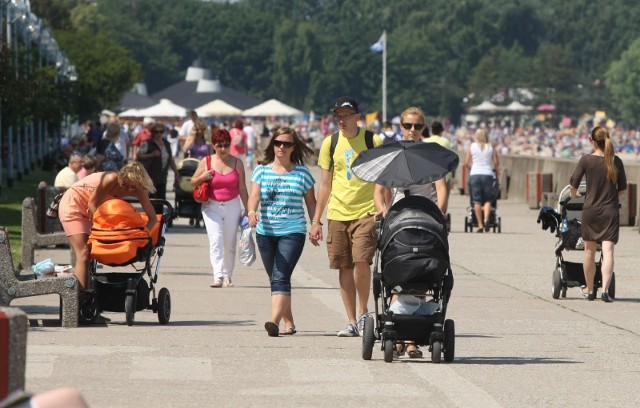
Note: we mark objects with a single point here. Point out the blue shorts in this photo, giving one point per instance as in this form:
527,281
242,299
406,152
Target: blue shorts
481,191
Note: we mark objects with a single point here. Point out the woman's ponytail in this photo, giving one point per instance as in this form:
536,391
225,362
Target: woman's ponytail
601,138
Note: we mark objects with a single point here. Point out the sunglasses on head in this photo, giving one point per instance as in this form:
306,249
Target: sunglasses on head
416,126
280,143
222,145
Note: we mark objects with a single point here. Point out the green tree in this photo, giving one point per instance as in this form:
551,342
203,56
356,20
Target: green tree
106,70
499,70
623,79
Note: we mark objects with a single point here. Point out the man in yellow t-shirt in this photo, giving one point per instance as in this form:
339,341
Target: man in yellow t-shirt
351,240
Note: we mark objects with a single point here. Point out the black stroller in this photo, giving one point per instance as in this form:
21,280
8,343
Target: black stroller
495,222
185,205
116,245
567,224
413,251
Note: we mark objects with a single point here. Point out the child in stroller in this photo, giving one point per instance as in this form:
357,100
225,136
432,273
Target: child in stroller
566,223
119,237
413,251
495,222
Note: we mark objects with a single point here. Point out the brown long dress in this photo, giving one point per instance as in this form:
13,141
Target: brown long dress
600,215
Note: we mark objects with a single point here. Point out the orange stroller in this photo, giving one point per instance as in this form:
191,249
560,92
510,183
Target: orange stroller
119,237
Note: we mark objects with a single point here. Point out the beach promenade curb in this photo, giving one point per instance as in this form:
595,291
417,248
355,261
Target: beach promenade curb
515,345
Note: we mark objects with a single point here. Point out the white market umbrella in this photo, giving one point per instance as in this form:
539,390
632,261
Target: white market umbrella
130,113
485,107
272,107
516,106
164,109
218,107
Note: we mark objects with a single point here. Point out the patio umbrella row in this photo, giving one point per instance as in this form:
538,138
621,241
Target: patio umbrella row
167,109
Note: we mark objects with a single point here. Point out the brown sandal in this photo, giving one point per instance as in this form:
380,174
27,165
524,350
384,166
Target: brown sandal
415,352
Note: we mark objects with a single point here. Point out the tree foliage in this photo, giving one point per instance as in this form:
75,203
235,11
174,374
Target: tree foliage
308,52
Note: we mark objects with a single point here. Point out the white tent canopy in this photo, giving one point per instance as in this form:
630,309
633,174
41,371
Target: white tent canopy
516,106
130,113
164,109
272,107
218,107
485,107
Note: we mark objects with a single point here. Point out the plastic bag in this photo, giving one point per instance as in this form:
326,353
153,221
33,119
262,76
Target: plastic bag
44,269
247,243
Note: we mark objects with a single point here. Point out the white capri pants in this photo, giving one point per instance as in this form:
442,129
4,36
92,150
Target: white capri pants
222,220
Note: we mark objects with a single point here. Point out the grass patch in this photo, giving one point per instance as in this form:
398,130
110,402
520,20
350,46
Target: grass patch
11,206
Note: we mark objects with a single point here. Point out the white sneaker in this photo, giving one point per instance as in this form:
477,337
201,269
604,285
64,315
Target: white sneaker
360,322
350,331
217,283
226,283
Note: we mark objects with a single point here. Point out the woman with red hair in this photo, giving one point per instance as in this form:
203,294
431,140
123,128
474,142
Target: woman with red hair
222,211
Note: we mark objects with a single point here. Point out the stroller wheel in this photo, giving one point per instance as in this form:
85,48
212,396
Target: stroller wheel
556,283
449,340
130,309
388,351
436,352
368,338
164,306
88,308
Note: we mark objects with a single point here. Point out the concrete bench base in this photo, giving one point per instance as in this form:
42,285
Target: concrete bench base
13,342
12,288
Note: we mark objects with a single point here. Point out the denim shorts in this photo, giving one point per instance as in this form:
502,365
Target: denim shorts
279,257
480,185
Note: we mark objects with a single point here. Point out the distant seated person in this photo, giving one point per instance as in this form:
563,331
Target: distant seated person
69,175
89,166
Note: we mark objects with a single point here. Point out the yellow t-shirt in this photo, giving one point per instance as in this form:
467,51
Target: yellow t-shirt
442,141
351,198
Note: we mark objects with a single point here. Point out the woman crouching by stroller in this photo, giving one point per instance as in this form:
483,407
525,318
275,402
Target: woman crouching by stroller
606,178
279,185
82,199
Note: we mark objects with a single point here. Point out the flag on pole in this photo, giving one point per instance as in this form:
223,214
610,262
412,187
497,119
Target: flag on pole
379,46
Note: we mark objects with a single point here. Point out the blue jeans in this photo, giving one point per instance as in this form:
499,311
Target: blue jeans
279,256
481,191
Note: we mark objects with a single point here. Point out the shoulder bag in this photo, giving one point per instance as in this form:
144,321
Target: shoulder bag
201,193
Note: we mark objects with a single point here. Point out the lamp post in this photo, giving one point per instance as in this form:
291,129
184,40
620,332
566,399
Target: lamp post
3,6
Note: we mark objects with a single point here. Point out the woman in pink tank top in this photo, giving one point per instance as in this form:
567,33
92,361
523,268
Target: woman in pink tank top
226,205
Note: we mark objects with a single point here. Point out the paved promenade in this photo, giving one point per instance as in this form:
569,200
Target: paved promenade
515,345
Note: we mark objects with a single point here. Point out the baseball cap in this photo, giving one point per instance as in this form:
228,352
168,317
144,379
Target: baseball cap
345,102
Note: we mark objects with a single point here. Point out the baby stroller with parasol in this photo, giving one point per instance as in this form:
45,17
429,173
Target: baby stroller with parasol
119,237
566,223
495,222
185,204
412,276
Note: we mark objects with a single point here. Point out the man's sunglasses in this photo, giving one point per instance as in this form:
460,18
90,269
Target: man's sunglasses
417,126
280,143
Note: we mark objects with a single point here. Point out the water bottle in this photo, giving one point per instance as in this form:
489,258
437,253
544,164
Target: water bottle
565,226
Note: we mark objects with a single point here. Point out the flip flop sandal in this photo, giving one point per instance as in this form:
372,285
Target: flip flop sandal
289,331
271,328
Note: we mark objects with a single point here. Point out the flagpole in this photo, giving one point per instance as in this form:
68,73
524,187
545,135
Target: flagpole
384,76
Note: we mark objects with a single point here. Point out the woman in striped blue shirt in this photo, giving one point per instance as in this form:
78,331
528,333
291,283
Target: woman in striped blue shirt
280,185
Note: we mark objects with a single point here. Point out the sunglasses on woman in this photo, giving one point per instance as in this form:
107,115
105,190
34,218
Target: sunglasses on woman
417,126
222,145
280,143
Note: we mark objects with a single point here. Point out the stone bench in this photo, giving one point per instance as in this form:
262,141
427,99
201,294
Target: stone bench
44,197
12,288
13,350
32,238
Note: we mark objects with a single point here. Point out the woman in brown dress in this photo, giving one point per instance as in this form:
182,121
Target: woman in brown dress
605,178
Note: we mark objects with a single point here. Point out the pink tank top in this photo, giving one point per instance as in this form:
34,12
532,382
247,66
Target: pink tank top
225,186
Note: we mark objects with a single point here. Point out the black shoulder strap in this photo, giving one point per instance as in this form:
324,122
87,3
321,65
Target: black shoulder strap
368,139
332,149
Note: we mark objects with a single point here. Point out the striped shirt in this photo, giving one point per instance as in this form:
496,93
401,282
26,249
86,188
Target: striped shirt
281,200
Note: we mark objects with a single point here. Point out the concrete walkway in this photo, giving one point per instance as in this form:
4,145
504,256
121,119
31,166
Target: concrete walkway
515,344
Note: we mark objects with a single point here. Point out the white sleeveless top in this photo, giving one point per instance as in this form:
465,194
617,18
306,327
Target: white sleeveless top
482,160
